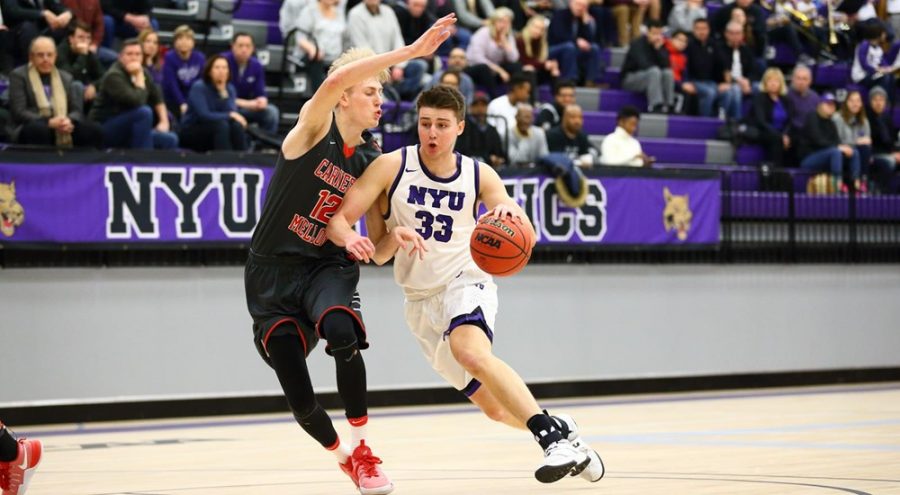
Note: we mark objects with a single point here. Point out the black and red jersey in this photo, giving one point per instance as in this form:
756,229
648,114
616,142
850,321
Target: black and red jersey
305,192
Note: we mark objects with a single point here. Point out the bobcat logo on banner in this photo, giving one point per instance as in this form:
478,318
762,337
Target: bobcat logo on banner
12,214
677,214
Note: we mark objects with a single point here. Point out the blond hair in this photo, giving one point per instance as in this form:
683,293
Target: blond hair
499,13
777,74
526,37
182,30
354,54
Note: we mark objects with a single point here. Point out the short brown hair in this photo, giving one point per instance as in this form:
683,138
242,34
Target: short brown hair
445,98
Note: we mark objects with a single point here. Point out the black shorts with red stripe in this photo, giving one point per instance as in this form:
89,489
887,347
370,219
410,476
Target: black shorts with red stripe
292,295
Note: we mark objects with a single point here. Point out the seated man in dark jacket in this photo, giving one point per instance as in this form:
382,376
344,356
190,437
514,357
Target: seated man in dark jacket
735,71
884,138
820,148
646,69
126,101
76,58
700,75
569,138
46,109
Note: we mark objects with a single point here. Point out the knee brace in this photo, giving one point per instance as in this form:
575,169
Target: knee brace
340,332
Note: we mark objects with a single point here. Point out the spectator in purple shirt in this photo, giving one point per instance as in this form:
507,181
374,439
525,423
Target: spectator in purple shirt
212,121
249,80
181,67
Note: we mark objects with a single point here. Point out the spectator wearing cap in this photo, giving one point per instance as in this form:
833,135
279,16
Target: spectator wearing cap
621,147
885,154
181,68
249,81
479,138
527,142
820,149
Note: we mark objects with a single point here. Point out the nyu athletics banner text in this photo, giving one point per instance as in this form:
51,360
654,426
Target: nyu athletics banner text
91,203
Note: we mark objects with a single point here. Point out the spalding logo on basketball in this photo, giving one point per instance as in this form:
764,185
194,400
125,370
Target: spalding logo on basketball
500,246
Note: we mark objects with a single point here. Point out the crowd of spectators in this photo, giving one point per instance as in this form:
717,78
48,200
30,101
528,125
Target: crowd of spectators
107,81
86,74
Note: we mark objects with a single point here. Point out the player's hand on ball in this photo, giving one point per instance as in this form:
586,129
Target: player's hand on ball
410,241
361,248
504,210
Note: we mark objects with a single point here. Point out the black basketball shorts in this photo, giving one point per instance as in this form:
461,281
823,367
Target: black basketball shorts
292,296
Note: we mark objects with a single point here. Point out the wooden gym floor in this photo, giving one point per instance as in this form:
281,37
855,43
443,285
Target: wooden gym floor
776,441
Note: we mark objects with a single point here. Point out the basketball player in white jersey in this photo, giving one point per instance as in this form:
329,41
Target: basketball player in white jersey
421,204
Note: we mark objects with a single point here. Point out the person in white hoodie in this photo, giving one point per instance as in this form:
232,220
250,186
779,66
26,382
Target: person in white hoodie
621,147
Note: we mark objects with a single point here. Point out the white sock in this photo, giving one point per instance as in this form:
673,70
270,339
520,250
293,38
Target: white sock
340,451
358,430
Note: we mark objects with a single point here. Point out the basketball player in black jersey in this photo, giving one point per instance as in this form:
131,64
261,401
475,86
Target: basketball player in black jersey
300,287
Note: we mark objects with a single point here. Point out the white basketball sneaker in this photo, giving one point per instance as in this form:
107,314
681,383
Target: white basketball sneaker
560,459
594,470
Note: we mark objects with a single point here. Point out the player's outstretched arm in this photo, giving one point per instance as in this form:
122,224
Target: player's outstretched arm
315,116
497,201
359,199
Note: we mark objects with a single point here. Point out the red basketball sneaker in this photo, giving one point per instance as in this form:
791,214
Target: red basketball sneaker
15,475
347,468
370,479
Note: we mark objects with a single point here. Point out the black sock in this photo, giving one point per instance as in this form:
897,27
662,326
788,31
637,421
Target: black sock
350,368
289,361
562,425
9,445
544,430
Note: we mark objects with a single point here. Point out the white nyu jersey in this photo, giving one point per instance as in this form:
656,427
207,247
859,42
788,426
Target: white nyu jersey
443,211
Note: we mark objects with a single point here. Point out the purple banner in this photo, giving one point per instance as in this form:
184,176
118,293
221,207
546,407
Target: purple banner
96,203
189,203
624,210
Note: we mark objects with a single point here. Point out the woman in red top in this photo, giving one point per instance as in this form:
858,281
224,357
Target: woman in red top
532,45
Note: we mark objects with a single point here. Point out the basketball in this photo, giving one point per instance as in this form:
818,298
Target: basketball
500,246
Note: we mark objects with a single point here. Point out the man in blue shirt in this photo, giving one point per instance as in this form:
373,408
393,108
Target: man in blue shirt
249,79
